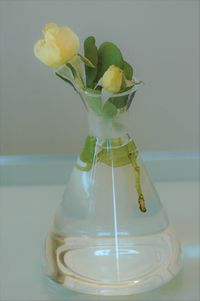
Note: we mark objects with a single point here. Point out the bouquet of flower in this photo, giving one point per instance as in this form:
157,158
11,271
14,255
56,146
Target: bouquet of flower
110,235
107,82
105,71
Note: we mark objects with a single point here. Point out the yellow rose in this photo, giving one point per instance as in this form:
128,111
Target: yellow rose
60,45
112,79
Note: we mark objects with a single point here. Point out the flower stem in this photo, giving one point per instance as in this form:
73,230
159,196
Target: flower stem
132,156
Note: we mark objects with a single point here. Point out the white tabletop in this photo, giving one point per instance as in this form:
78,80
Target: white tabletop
26,216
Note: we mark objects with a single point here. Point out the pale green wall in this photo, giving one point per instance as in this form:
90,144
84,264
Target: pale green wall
40,114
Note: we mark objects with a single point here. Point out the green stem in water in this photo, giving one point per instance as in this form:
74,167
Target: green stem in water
114,157
132,156
88,153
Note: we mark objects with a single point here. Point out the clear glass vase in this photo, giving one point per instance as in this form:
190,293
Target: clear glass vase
111,235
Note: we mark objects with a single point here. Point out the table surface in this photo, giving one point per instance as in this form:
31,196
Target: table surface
26,216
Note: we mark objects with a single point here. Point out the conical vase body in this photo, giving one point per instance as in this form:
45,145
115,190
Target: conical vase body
111,235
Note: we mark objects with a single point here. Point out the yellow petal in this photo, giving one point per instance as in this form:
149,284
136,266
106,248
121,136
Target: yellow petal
68,43
50,26
59,46
48,53
112,79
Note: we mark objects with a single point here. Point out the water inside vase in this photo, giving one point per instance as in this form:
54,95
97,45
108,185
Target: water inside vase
104,240
109,267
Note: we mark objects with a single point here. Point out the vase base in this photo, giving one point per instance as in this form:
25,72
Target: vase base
108,267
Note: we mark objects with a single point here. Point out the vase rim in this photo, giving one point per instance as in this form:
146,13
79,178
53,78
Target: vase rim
133,89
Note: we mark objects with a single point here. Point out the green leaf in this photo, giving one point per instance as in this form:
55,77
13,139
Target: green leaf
86,61
66,80
119,102
91,53
95,105
108,54
66,74
128,71
109,110
94,102
76,75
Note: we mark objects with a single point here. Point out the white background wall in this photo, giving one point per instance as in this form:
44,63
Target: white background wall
41,115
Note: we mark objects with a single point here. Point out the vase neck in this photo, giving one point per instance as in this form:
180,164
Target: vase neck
109,128
108,114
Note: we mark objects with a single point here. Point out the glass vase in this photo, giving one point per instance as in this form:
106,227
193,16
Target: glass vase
111,235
